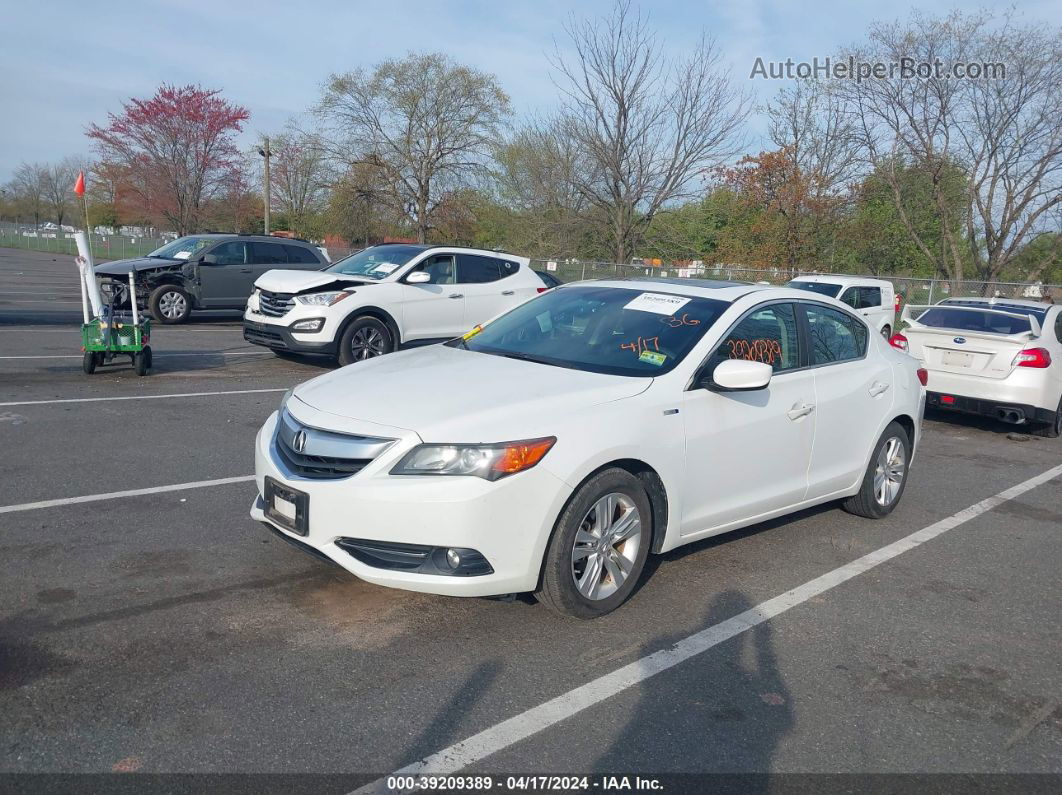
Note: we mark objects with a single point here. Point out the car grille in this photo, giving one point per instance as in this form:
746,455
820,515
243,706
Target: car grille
264,336
325,455
275,304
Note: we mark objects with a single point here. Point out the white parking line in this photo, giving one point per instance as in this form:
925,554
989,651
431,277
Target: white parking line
154,355
114,495
520,727
141,397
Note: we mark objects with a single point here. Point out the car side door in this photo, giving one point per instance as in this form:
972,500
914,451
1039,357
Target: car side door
491,285
434,309
222,273
854,391
264,257
747,453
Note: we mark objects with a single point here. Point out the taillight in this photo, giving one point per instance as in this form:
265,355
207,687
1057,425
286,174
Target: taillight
541,289
1033,357
898,341
923,375
896,303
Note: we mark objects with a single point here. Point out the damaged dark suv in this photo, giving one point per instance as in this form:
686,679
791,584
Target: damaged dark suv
215,271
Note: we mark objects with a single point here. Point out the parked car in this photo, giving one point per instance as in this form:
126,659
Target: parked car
874,299
554,448
549,279
384,297
1000,358
213,271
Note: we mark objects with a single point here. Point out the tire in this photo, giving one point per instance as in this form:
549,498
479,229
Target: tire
365,338
88,362
876,497
170,305
142,361
1050,430
886,332
570,586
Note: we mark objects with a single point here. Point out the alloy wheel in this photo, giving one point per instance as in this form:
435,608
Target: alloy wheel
606,546
172,305
890,471
366,343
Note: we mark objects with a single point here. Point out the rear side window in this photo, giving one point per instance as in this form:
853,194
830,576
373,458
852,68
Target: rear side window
474,269
835,336
862,297
1058,326
268,254
768,335
300,255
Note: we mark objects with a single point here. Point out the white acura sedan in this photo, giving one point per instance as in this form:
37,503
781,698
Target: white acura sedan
554,448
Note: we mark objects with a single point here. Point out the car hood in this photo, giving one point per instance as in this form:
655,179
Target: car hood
122,267
446,394
289,281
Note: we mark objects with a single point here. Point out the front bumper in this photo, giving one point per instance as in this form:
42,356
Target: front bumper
508,521
280,338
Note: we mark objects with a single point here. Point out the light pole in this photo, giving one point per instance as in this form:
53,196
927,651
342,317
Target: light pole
266,154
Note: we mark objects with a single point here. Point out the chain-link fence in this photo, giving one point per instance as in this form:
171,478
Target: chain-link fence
911,290
59,240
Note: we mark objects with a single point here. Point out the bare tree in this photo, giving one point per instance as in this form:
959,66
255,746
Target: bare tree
1004,132
29,187
425,122
300,176
59,187
645,125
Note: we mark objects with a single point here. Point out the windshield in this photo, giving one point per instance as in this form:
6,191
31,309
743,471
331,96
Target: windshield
182,247
974,320
376,262
822,288
600,329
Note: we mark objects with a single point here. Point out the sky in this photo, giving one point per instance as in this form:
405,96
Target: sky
65,65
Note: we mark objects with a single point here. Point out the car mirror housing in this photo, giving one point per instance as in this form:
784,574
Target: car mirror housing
418,277
738,375
209,259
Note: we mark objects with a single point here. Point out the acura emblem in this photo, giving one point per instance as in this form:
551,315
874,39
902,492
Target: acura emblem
960,340
298,443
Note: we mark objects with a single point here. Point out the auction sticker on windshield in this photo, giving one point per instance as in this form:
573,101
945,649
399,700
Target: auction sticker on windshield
656,302
384,267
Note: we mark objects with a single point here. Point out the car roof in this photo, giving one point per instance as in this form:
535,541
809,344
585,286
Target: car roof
694,288
838,278
263,238
487,252
977,299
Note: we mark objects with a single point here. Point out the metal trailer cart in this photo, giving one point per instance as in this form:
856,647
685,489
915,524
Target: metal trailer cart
103,338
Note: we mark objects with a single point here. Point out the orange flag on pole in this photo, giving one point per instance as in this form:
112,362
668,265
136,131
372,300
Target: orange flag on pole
79,186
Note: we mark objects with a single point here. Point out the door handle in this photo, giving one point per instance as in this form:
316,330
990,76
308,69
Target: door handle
800,410
245,270
878,388
507,292
456,295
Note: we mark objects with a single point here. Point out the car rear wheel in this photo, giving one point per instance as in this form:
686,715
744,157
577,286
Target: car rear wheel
599,547
366,338
1051,430
170,305
886,476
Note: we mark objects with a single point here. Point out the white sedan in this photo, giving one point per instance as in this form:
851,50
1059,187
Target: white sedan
554,448
998,357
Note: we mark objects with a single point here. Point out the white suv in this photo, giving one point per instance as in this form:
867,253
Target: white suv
384,297
874,299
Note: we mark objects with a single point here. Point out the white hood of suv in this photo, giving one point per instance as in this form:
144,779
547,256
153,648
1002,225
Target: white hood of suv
284,281
447,394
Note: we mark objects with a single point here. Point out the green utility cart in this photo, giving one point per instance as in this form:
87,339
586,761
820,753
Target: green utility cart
125,338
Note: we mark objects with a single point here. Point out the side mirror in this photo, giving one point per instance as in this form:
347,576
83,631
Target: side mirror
739,375
418,277
209,259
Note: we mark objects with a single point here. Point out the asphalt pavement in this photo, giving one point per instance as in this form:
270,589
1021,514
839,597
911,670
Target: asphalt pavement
166,632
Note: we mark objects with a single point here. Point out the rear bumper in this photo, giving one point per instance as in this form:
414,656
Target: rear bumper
1017,413
280,338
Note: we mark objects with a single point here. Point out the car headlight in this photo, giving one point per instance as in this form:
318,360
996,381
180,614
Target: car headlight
487,461
324,299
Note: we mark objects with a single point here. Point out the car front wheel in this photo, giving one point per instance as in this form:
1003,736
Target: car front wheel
886,476
170,305
366,338
599,547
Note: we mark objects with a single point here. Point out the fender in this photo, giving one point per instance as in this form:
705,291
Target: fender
375,311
